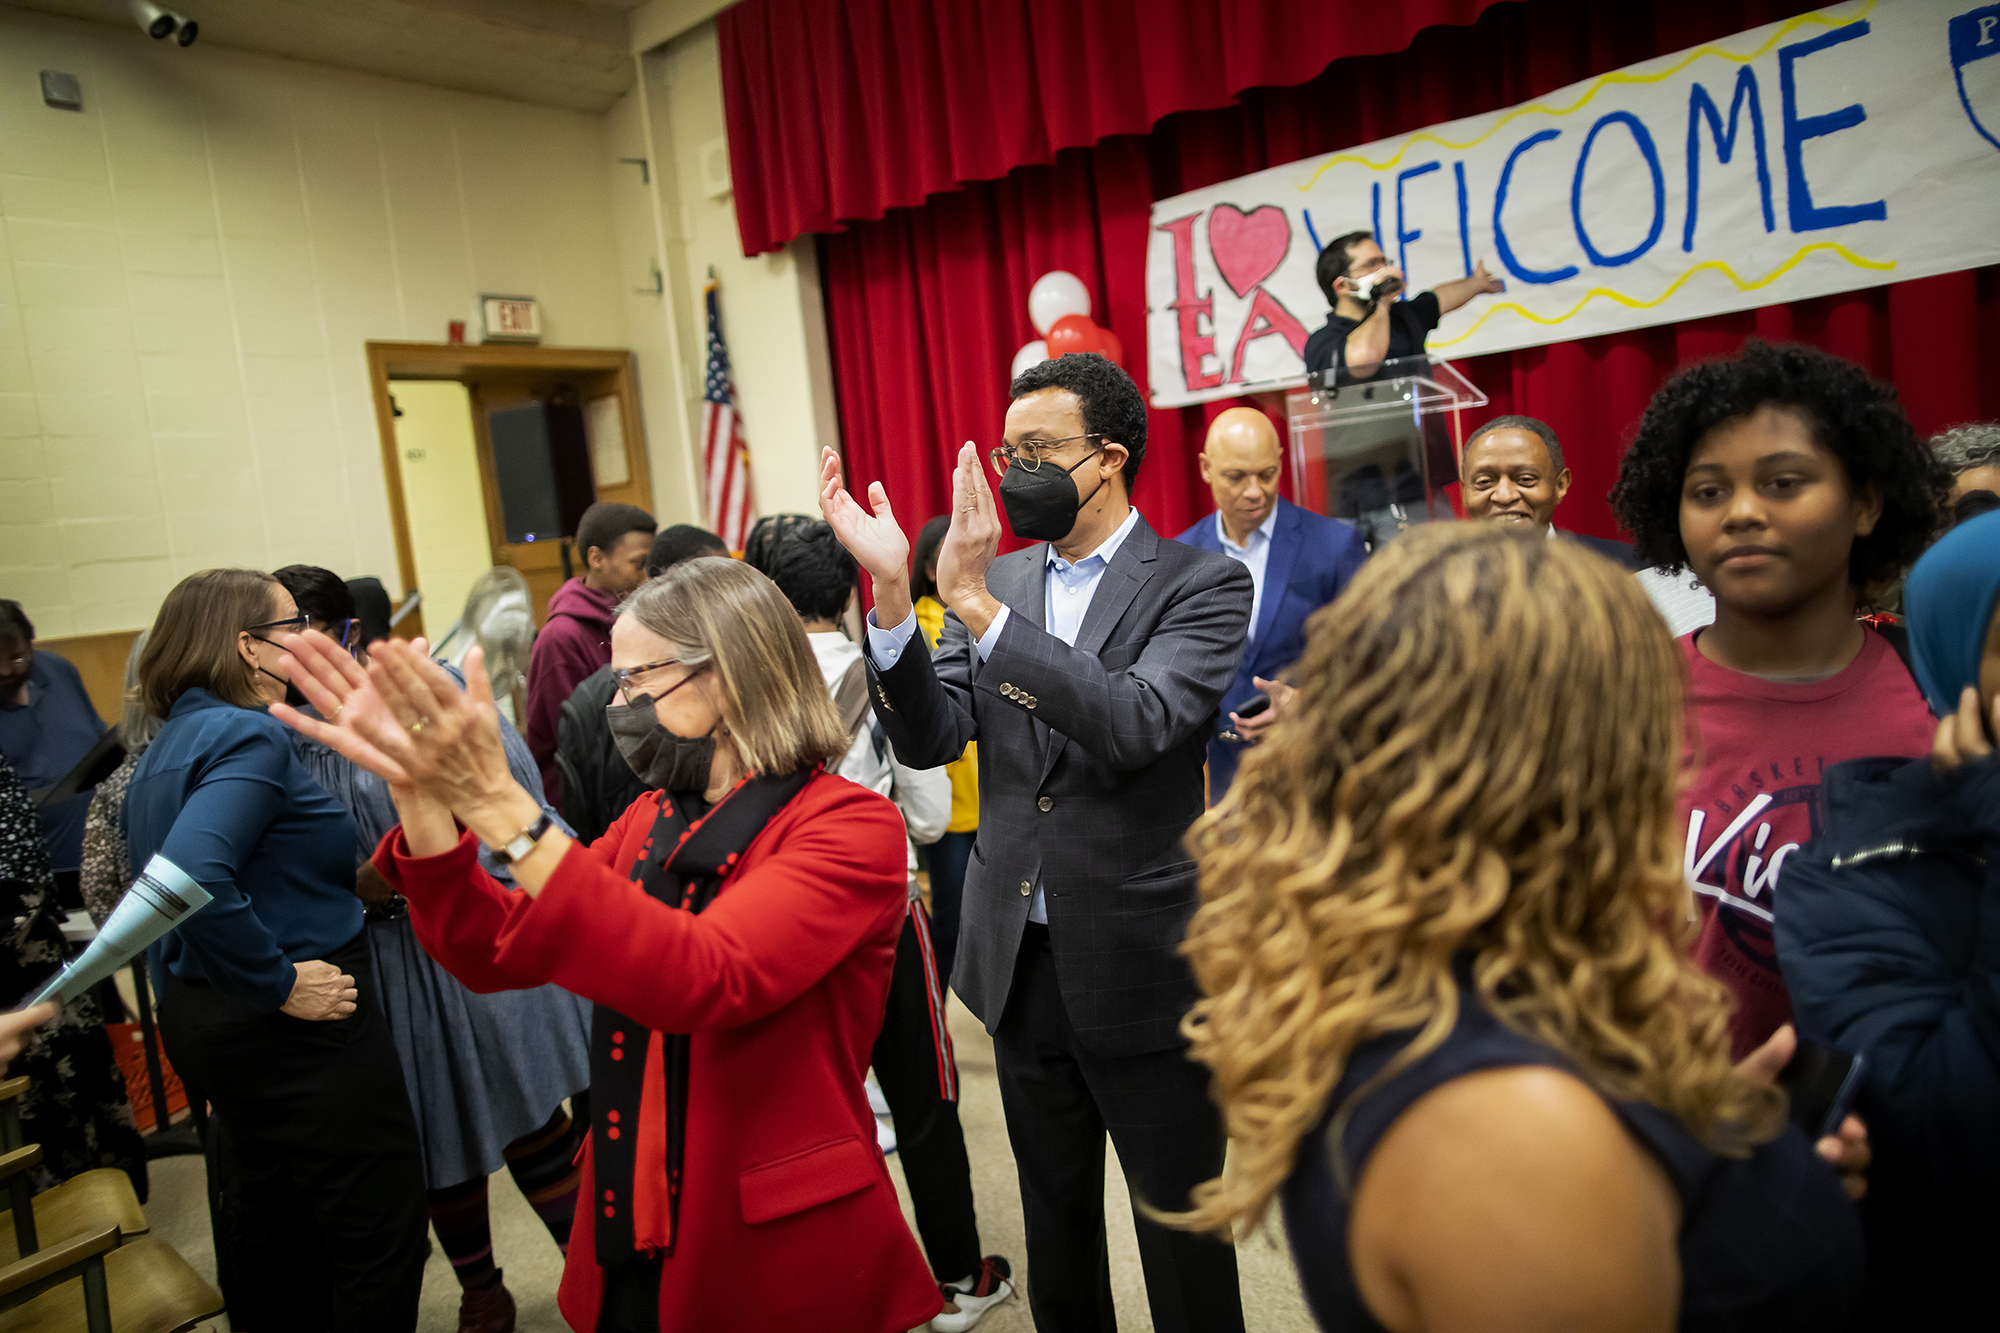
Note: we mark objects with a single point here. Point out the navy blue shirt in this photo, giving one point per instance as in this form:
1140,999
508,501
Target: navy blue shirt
221,792
43,739
1410,323
1768,1242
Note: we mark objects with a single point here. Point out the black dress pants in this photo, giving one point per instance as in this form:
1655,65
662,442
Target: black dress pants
913,1064
323,1222
1060,1100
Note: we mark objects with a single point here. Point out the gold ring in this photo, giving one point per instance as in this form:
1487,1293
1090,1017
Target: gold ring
418,726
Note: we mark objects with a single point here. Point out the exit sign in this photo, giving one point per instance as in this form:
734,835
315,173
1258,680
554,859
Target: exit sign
511,319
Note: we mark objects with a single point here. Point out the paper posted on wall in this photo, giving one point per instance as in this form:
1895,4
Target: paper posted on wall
160,898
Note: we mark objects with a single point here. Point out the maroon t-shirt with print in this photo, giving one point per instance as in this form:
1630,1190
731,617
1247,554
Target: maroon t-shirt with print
1761,748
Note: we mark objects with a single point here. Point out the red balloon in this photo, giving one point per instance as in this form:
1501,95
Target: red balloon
1107,343
1073,333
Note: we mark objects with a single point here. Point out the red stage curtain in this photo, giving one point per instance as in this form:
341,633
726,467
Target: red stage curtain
839,112
927,306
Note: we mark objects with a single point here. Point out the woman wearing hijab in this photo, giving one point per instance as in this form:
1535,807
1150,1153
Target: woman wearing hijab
1890,944
736,929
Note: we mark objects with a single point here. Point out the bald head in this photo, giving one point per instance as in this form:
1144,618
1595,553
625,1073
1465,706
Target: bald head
1240,462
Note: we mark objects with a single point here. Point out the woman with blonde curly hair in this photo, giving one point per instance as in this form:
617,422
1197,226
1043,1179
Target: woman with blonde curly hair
1444,927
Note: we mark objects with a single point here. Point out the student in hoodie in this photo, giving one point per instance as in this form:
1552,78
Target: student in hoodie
1890,944
1794,488
576,638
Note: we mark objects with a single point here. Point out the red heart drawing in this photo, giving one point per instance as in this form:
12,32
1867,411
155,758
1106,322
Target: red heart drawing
1248,247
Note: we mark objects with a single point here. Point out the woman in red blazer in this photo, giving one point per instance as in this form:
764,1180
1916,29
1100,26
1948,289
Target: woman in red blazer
736,929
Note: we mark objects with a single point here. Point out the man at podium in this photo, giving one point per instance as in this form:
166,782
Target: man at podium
1369,324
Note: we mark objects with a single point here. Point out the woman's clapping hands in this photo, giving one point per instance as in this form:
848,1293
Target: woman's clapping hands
403,718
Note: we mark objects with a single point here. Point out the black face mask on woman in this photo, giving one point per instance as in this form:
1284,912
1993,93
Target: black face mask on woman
664,760
1042,505
294,696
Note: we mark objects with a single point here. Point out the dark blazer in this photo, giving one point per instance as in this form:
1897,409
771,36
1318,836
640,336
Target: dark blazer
1312,558
1089,775
1609,548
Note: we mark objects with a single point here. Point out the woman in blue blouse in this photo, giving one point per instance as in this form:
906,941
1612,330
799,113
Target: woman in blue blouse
267,1004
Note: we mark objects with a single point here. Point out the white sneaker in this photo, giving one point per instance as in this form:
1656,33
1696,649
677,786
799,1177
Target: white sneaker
876,1101
964,1307
885,1135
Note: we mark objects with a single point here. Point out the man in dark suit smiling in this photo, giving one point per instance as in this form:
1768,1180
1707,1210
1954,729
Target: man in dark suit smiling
1089,667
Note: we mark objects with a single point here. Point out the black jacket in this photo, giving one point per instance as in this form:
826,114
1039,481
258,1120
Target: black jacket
1609,548
1890,945
597,784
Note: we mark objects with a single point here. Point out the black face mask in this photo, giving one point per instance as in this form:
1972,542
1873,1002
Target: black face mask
664,760
1042,505
294,696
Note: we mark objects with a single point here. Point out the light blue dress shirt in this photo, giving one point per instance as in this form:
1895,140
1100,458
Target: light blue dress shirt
1254,555
1066,591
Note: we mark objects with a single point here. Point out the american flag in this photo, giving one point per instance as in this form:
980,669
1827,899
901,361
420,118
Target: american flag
725,456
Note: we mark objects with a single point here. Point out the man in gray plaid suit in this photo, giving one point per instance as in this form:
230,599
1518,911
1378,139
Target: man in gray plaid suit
1089,668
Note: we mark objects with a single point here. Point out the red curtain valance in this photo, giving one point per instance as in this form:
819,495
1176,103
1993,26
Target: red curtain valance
840,110
926,306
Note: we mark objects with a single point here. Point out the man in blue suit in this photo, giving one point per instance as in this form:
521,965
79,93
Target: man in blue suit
1298,560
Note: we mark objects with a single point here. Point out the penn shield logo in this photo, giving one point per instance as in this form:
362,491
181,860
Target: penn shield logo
1975,44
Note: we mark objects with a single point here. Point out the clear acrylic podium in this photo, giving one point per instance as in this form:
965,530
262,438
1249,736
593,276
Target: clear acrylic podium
1379,449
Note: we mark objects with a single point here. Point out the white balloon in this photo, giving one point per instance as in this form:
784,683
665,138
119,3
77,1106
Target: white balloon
1055,294
1031,354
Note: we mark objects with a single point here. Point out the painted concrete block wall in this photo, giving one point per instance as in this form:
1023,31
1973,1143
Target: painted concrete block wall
772,315
188,271
664,382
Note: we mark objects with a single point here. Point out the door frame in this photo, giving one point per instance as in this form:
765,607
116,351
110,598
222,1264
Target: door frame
467,364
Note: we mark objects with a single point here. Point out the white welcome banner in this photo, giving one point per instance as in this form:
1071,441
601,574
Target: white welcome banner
1849,147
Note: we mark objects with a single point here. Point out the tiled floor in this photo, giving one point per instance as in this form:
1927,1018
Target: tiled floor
1271,1301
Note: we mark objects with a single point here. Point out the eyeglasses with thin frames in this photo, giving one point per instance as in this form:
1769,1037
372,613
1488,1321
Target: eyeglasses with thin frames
624,677
1008,455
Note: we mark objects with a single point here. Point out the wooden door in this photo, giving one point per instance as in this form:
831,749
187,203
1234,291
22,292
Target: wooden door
500,376
541,562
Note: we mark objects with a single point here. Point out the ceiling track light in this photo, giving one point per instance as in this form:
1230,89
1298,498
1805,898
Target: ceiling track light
160,24
155,22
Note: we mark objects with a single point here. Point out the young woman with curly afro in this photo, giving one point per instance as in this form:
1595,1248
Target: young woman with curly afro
1793,487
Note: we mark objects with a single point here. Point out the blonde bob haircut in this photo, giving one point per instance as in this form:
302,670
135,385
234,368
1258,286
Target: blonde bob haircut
721,614
1482,764
192,644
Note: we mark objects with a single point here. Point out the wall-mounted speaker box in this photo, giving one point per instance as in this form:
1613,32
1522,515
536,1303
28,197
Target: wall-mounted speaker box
541,458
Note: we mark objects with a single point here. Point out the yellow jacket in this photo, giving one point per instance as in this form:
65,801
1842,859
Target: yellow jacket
964,772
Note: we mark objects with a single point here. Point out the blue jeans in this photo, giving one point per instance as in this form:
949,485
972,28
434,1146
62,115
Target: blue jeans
949,856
